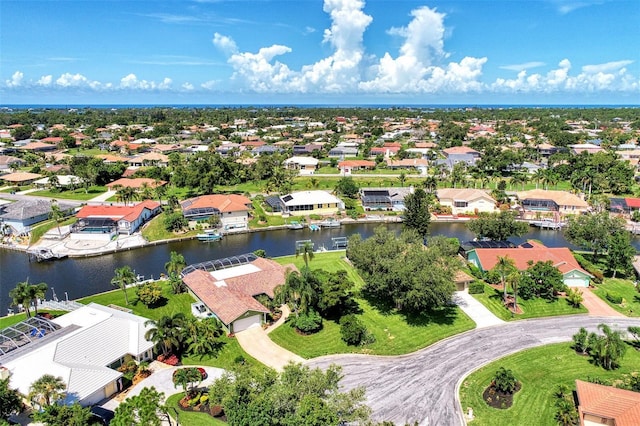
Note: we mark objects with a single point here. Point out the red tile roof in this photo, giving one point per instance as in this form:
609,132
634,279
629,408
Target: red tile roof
460,150
52,139
560,257
128,213
357,163
232,297
633,202
622,406
136,183
221,202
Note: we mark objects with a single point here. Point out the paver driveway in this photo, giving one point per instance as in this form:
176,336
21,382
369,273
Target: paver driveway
423,386
596,306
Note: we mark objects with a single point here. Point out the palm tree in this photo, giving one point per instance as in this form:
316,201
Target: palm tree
186,378
514,280
176,264
35,293
299,290
430,183
160,190
56,214
610,347
146,191
538,175
504,266
122,278
47,390
402,177
167,332
20,295
306,251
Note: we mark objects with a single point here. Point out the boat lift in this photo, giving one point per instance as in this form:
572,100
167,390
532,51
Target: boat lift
339,242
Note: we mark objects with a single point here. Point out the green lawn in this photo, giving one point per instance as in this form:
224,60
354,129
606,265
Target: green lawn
41,229
395,333
154,230
272,219
174,303
616,286
79,194
533,308
540,370
188,417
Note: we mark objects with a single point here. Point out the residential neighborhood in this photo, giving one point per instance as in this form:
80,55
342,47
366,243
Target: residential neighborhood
283,239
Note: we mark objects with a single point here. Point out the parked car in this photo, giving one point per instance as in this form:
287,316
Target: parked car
102,416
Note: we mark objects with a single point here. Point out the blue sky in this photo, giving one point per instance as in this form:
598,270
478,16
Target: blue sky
313,51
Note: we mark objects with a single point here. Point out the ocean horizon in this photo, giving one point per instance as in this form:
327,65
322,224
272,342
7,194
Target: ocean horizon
10,107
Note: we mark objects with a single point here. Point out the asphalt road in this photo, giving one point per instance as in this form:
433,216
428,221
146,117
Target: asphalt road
423,386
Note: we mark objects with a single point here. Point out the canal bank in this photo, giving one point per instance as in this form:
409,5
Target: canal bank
74,278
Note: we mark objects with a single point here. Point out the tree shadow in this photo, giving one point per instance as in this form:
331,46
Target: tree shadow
441,316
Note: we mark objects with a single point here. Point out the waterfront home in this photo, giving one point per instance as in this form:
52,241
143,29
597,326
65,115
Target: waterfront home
304,203
347,167
342,151
104,222
606,405
557,204
19,217
624,205
305,165
388,149
232,209
561,258
84,347
227,288
390,199
466,200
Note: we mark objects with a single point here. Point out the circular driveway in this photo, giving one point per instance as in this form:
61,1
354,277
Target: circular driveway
423,386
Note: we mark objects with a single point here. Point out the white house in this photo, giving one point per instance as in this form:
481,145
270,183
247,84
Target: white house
83,347
306,165
465,200
232,209
311,202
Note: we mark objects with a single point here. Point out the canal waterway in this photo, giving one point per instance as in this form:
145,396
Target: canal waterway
79,277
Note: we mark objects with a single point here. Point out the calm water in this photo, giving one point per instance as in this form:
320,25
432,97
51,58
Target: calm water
75,278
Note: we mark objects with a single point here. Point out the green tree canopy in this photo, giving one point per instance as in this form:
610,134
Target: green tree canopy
497,226
541,280
347,187
594,231
417,215
144,409
297,396
10,400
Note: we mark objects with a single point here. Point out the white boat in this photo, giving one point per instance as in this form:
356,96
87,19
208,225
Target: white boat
330,223
314,227
295,225
209,235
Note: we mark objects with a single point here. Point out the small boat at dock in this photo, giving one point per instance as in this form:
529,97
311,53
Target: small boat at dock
314,227
209,235
330,223
294,224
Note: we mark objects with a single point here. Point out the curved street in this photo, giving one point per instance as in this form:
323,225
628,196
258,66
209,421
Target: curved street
423,386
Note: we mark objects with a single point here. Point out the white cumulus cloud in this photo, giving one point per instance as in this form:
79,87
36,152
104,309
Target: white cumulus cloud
524,66
16,79
131,81
224,43
45,80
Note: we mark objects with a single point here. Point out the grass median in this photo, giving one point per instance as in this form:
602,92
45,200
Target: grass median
532,308
540,370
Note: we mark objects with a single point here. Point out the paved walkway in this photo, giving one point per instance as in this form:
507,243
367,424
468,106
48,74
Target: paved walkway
102,197
285,313
596,306
424,386
256,343
162,380
476,310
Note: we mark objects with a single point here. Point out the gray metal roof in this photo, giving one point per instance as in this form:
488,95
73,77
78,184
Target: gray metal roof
26,209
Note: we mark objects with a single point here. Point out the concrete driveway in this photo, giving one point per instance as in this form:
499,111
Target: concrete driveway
475,310
162,380
256,343
596,306
423,386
